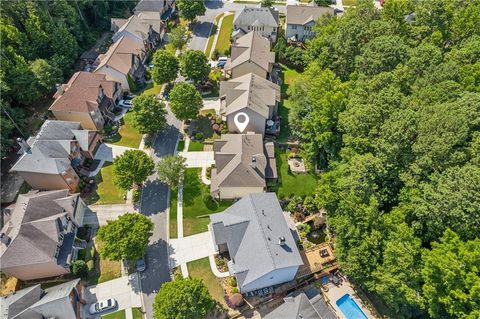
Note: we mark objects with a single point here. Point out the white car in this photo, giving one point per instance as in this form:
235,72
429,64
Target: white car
125,103
102,306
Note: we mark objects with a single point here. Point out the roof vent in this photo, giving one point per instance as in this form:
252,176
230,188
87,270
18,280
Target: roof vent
23,145
4,239
281,241
253,164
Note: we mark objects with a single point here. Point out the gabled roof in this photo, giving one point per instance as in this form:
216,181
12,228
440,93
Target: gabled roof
298,305
257,17
152,5
252,228
305,14
139,24
81,92
240,161
251,47
16,303
33,229
51,147
120,55
250,91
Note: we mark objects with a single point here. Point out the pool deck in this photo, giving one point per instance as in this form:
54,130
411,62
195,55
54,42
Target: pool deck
336,292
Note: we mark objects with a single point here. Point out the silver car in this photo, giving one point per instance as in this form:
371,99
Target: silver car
102,306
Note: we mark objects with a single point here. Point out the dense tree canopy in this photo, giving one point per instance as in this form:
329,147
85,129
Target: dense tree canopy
149,114
185,101
131,168
126,237
183,298
165,67
389,106
191,9
194,65
170,169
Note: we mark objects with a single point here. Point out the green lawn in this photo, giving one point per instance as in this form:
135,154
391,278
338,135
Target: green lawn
201,269
153,88
223,40
195,146
211,38
196,208
106,192
105,269
173,213
127,134
137,313
115,315
349,2
180,146
290,183
288,77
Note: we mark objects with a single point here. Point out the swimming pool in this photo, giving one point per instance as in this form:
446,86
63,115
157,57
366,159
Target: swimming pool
349,308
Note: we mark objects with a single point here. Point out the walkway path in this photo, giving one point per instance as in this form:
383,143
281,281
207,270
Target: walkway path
205,180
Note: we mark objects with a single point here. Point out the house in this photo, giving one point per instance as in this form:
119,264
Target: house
62,301
123,62
243,165
164,8
145,28
52,158
252,95
261,247
87,98
250,54
38,237
300,21
299,305
262,20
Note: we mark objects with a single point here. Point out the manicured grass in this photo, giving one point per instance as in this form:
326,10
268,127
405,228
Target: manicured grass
349,2
197,203
137,313
288,77
173,213
195,146
211,38
201,269
291,183
223,40
180,146
153,88
115,315
106,192
105,269
127,134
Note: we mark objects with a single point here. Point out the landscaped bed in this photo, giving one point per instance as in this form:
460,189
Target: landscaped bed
201,269
290,183
106,192
127,134
197,203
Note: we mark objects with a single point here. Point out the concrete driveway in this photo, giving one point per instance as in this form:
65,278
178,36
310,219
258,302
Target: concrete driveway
198,159
183,250
211,103
107,152
125,290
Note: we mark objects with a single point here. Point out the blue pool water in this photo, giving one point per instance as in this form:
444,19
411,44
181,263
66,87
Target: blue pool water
349,308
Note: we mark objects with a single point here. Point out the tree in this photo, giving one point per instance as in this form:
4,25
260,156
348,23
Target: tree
126,237
47,75
267,3
185,101
178,37
170,169
451,277
190,9
165,67
148,114
183,298
79,268
194,65
132,167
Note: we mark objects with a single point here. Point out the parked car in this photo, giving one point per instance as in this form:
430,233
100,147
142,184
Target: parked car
125,103
141,265
102,306
221,62
129,97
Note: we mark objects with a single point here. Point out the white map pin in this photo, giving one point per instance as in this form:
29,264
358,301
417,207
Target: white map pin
241,125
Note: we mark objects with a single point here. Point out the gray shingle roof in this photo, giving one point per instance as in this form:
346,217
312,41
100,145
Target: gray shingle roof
251,228
298,306
304,14
251,47
250,91
257,17
14,304
151,5
234,154
32,227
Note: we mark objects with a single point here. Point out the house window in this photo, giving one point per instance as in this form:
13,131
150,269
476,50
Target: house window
57,251
294,27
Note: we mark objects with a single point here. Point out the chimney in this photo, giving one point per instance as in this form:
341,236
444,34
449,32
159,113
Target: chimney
281,241
24,145
4,239
253,164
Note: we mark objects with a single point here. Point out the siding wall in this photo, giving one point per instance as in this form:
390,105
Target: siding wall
278,276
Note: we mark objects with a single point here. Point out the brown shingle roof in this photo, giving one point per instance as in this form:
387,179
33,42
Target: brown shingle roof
251,47
304,14
120,55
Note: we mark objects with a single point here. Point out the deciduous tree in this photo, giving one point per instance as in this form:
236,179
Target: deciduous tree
194,65
185,101
149,114
191,9
165,67
178,37
132,167
170,169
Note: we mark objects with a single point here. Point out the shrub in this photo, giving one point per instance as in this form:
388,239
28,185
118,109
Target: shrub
299,216
215,54
79,268
294,204
235,290
209,172
90,265
199,136
232,282
136,195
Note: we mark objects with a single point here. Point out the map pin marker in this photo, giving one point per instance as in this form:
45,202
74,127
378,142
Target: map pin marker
241,125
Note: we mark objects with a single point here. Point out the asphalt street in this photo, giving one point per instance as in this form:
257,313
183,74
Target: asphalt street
154,204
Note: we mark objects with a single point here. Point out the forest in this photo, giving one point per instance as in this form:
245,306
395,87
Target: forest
389,109
41,40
